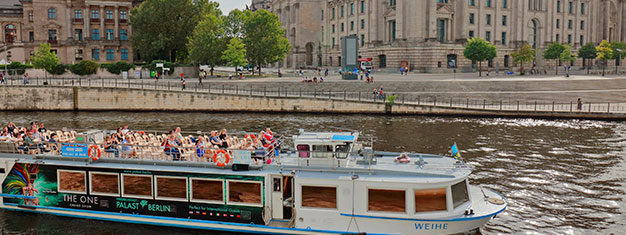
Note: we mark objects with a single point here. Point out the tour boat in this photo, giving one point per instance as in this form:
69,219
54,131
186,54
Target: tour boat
327,183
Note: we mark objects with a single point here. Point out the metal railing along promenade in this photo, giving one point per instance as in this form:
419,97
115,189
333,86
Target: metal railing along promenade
357,96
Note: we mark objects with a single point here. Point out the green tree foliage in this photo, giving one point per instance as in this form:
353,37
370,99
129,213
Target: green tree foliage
553,52
524,54
58,69
264,38
17,68
588,52
233,24
604,53
85,67
161,27
117,67
235,55
477,49
208,42
566,55
619,51
44,58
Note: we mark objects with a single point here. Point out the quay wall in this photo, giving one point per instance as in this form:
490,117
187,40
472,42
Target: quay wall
58,98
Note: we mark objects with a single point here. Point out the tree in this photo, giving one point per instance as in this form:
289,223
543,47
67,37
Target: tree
44,59
235,55
233,24
207,42
85,67
161,27
567,56
619,51
588,52
553,52
524,54
264,38
477,49
604,53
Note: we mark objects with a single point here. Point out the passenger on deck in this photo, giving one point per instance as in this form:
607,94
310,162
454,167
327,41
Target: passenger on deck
119,135
11,127
127,149
178,135
171,147
42,129
215,140
200,145
109,146
224,138
125,130
5,136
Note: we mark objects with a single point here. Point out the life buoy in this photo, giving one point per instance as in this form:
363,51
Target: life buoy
94,152
221,157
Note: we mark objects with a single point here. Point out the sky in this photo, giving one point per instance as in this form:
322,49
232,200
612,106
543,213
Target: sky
228,5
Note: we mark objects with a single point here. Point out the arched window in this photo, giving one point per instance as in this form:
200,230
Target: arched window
9,33
52,13
534,29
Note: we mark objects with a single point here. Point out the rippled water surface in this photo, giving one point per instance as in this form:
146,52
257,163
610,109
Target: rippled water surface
560,176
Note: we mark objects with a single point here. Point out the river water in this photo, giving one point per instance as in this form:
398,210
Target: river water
560,176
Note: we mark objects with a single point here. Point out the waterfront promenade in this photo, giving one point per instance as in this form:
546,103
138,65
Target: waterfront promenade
549,97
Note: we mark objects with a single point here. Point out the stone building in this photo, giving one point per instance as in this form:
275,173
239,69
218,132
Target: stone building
11,31
429,35
302,21
76,29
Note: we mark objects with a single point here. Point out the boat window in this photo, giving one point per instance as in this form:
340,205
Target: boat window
171,187
207,190
430,200
137,185
104,183
341,151
386,200
319,197
244,192
459,193
305,150
72,181
322,151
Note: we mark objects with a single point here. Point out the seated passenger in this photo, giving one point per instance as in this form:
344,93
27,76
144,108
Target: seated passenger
215,140
127,149
200,146
109,146
171,149
224,138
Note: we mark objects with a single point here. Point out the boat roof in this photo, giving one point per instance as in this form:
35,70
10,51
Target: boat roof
325,137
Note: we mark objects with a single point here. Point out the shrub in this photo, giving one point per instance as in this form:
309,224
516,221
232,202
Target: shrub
118,67
58,69
85,67
17,68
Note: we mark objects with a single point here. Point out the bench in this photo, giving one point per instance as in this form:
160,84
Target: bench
7,147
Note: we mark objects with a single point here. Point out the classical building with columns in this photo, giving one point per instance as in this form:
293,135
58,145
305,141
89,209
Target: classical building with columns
77,30
430,35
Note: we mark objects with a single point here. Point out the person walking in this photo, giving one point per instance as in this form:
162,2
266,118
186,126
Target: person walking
579,104
2,81
326,72
401,70
406,70
183,82
25,77
200,80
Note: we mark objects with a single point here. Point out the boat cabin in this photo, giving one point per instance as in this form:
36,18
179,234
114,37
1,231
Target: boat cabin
325,144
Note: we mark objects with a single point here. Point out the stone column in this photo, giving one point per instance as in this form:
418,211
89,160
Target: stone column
117,22
68,17
86,21
102,17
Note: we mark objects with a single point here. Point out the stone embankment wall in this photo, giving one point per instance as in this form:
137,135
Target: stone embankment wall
13,98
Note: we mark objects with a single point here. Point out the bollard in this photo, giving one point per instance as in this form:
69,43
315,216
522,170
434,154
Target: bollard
329,95
265,91
168,85
80,82
128,83
484,104
608,107
89,82
344,95
450,102
222,88
250,91
571,105
518,105
590,107
435,101
300,91
418,100
467,103
359,96
237,89
115,82
315,93
403,99
535,105
500,105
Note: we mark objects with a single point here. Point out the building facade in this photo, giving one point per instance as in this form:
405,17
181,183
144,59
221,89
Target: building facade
76,29
430,35
301,20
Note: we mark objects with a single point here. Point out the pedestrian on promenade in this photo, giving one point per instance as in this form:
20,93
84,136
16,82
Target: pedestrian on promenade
2,80
240,75
401,70
375,93
406,70
326,72
319,71
230,76
25,77
156,76
579,104
183,82
200,80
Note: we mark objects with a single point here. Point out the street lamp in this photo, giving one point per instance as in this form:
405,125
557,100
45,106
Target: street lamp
619,55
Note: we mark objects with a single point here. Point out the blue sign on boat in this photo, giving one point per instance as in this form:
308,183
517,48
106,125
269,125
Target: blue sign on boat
343,137
74,150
